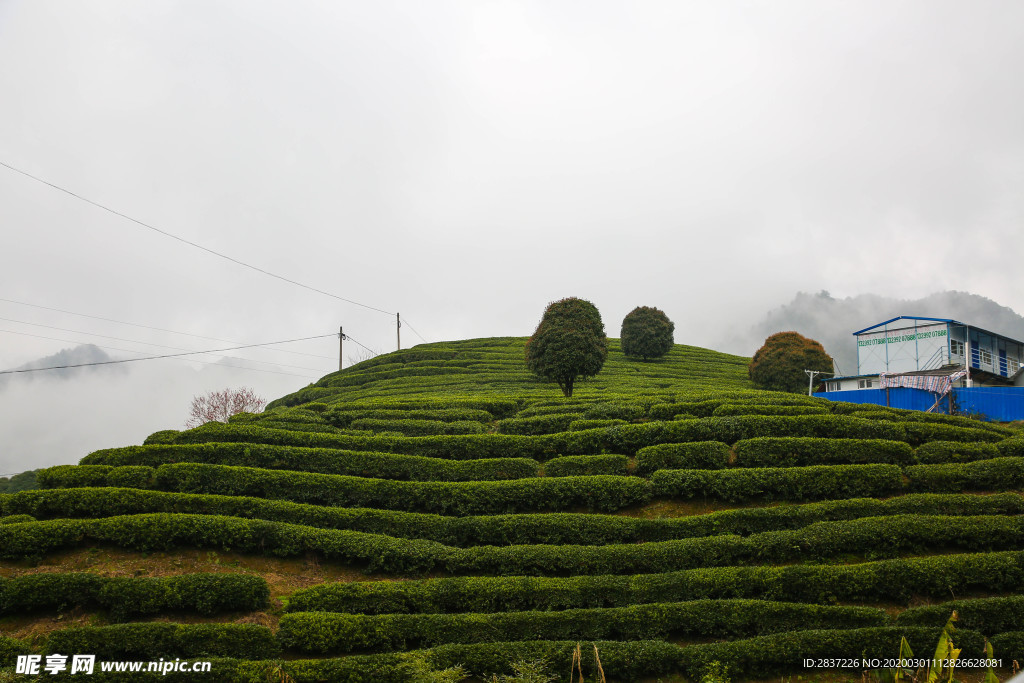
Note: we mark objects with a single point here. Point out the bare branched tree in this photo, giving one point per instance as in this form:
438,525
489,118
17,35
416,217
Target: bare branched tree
218,406
360,355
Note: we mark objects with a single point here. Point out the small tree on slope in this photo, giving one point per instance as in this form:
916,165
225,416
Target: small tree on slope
647,333
218,406
779,365
569,343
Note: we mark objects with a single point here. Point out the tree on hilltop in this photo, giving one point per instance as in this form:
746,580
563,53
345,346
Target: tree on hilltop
647,333
218,406
779,365
569,343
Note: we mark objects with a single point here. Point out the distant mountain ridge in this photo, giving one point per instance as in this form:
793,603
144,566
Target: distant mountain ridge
84,353
832,321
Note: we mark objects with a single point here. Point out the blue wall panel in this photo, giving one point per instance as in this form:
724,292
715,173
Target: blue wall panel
1002,404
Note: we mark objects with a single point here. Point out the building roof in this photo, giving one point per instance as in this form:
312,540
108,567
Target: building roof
938,320
909,317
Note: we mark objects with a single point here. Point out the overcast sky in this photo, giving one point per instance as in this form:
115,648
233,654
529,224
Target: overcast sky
465,163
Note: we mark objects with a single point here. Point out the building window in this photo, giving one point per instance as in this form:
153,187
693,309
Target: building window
986,357
956,348
864,383
833,386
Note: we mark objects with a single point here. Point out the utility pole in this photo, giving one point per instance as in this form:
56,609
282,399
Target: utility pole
341,341
810,379
398,329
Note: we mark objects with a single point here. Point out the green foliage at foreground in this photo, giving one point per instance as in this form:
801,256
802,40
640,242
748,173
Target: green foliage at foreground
327,633
897,580
989,616
620,661
156,640
818,541
523,529
204,594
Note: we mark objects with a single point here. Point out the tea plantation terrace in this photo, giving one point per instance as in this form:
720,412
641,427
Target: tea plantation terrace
440,507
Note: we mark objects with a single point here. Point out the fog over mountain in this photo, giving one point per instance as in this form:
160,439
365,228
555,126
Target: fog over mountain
832,321
55,417
78,355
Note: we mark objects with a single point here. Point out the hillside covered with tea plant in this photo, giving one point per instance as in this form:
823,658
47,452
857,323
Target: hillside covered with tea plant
439,513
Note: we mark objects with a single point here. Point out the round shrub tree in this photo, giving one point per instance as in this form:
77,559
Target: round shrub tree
779,365
647,333
569,343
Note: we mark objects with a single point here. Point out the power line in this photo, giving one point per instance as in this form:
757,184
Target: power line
190,243
349,337
406,323
158,329
168,355
193,360
163,346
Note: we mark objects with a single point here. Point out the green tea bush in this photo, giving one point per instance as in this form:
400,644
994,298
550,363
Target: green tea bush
922,432
453,446
667,411
629,439
879,581
321,460
884,413
156,640
985,615
1009,646
997,474
701,455
343,417
938,452
329,633
15,519
822,540
776,483
616,411
1011,447
580,425
604,493
10,648
783,653
418,427
540,424
583,465
802,451
560,408
753,409
205,594
76,476
502,530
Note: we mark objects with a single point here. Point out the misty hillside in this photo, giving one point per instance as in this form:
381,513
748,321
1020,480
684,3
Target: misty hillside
440,513
832,321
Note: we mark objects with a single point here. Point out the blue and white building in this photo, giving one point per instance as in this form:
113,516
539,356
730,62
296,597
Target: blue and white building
916,345
935,364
